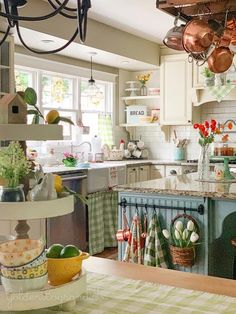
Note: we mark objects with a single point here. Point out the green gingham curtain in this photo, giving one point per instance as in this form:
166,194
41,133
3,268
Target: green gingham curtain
102,219
105,129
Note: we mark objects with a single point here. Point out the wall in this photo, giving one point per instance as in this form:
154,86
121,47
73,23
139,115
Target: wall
160,149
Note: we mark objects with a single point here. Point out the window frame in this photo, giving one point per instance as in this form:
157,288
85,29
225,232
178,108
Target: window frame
76,95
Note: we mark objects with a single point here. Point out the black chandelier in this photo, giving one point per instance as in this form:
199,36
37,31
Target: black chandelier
79,13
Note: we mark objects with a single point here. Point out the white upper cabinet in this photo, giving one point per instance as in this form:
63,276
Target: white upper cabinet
176,90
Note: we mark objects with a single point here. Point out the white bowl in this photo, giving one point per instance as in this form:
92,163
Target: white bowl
20,251
23,285
34,263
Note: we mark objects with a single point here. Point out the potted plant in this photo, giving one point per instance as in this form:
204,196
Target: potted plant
14,166
182,238
70,160
209,77
53,116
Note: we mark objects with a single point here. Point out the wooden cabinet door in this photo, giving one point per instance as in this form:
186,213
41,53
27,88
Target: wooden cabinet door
132,175
157,172
176,90
144,173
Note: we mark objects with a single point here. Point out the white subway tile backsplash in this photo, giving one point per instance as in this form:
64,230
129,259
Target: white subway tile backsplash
158,147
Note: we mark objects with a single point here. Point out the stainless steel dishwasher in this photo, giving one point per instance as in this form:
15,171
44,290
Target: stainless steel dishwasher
71,228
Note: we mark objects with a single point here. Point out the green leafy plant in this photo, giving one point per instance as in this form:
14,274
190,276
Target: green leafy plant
206,72
13,164
30,98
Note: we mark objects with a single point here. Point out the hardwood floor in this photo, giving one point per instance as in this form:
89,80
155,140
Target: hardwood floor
110,253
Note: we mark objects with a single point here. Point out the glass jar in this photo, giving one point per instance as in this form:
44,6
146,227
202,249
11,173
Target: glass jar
8,194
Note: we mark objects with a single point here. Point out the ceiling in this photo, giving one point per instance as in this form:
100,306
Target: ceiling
138,17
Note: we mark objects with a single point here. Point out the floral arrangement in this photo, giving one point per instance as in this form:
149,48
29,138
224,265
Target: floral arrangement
143,78
13,164
208,131
69,159
181,235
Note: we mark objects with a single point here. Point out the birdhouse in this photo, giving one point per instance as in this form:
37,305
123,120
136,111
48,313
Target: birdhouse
13,109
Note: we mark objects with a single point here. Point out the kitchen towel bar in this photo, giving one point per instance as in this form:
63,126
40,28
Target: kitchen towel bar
124,203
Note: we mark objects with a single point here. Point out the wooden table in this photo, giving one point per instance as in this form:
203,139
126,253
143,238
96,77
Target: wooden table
163,276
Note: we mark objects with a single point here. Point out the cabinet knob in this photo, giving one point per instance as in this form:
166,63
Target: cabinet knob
189,121
134,169
141,168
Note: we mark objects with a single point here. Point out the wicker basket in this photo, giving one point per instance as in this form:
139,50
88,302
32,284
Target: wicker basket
183,256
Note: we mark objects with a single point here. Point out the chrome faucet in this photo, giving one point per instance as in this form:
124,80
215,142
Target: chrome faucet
77,146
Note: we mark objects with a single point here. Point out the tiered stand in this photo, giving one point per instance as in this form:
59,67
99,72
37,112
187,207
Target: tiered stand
22,211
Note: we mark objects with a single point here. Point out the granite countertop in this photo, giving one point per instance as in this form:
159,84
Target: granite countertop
108,164
183,185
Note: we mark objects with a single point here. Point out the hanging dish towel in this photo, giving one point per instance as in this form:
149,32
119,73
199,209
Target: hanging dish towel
135,246
220,92
155,253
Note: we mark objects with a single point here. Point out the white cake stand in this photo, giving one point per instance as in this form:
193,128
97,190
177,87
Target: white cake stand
49,296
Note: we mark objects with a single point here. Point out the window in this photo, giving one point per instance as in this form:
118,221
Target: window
65,93
93,108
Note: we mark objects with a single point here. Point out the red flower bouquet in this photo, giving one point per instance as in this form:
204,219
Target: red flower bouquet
207,131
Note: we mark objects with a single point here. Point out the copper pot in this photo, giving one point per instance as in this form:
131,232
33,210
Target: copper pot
220,60
226,38
197,36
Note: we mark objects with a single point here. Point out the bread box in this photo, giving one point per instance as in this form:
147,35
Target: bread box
135,113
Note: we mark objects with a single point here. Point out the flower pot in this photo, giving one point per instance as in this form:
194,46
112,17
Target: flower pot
210,81
69,163
183,256
8,194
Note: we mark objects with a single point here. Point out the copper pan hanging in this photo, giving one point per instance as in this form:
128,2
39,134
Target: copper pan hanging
197,36
220,60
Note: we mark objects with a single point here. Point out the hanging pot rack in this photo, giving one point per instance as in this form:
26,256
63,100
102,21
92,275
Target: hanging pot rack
189,9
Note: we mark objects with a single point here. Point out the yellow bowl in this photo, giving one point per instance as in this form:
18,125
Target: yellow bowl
62,270
25,272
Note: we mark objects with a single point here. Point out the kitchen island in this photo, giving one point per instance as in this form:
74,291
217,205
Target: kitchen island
212,205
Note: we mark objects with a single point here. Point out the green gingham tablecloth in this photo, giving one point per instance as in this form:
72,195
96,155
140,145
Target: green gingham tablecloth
115,295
